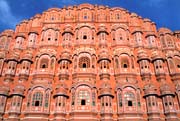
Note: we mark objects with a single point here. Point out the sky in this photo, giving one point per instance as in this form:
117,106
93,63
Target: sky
165,13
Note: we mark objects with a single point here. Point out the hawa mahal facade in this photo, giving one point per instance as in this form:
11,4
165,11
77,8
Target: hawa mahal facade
89,62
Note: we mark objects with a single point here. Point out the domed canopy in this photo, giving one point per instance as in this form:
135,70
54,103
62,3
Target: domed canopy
105,90
163,31
18,90
4,90
150,89
61,90
166,90
142,55
104,55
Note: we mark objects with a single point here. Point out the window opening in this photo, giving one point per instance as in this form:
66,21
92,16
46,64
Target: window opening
44,66
106,104
83,102
84,62
125,65
129,103
37,103
84,65
84,37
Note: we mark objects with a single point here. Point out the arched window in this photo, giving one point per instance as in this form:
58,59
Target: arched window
138,38
16,101
171,65
168,101
32,39
85,33
46,100
42,35
84,62
75,62
113,35
84,37
177,61
56,36
52,63
49,34
163,43
2,42
117,16
73,97
85,15
2,101
36,63
158,66
1,65
132,62
178,94
29,99
93,33
94,98
169,41
83,97
93,62
138,98
19,41
37,99
120,99
151,41
120,37
124,64
8,43
129,99
44,66
116,63
44,63
12,66
84,65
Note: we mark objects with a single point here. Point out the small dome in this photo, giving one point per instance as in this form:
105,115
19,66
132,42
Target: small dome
163,31
150,89
61,90
142,55
27,56
65,55
18,90
157,55
166,90
105,90
102,28
14,56
68,29
4,90
104,55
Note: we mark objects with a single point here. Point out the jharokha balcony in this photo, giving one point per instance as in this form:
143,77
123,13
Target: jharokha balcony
84,72
43,73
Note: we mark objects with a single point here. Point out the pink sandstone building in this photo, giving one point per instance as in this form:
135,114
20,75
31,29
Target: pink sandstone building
89,63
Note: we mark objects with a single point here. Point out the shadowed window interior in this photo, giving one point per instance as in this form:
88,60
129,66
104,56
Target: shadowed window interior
44,63
130,99
83,97
84,37
83,102
84,62
37,99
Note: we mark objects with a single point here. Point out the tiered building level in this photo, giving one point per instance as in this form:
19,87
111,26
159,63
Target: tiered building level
92,63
